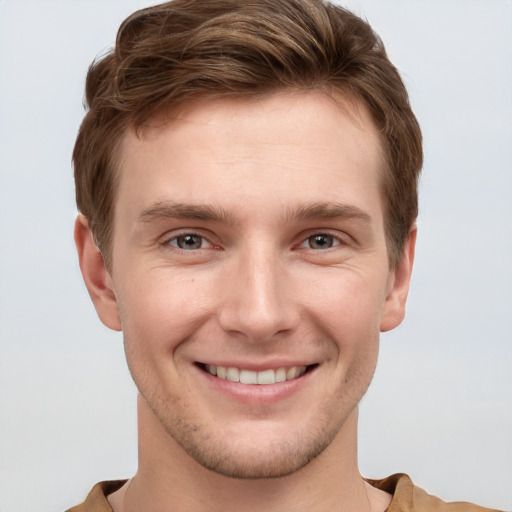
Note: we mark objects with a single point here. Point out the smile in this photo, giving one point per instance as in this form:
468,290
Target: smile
263,377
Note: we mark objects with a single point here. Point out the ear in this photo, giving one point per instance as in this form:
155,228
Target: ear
95,274
398,286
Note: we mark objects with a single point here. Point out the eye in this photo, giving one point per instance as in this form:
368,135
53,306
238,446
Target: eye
320,241
189,242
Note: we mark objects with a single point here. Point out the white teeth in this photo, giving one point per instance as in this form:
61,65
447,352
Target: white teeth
266,377
252,377
292,373
248,377
233,374
281,375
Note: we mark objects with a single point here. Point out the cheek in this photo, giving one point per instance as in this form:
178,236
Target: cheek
161,309
345,297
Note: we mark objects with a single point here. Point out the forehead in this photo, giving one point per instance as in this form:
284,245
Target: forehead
287,145
260,118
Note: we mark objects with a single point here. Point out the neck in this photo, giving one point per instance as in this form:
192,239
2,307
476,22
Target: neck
169,479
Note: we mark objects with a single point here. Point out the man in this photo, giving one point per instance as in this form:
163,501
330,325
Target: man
247,182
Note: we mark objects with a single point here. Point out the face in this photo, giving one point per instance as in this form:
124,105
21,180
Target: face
251,276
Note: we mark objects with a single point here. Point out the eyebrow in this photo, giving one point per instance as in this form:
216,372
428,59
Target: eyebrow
170,210
327,210
208,212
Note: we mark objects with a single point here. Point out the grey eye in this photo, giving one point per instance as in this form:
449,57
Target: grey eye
321,241
188,242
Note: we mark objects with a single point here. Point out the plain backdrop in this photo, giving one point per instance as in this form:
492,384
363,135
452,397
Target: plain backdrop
440,406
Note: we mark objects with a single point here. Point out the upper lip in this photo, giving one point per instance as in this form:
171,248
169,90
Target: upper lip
257,366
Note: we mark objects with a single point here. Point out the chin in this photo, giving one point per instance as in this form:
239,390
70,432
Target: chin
273,460
253,450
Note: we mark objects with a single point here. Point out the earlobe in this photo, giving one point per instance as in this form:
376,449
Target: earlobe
394,306
96,277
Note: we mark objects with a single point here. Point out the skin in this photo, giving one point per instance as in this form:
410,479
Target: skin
287,265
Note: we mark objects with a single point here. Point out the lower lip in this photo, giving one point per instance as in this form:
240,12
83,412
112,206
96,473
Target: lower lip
256,393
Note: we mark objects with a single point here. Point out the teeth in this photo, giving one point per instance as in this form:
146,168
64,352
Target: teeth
292,373
266,377
248,377
233,374
251,377
280,375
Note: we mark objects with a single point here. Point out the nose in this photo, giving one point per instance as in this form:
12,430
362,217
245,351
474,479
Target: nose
257,298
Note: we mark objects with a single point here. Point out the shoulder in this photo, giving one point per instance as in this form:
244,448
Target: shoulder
407,497
96,500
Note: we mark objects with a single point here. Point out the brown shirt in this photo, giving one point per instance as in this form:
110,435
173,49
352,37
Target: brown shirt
406,498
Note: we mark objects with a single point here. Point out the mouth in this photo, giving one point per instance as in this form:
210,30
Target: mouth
262,377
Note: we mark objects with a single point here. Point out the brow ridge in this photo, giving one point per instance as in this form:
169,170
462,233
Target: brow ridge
327,210
207,212
170,210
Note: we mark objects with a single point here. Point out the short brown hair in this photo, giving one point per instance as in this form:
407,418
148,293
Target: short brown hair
170,53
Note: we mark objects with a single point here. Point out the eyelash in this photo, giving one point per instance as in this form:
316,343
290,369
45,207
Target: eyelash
174,241
176,238
333,239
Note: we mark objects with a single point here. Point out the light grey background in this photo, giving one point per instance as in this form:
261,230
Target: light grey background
440,407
